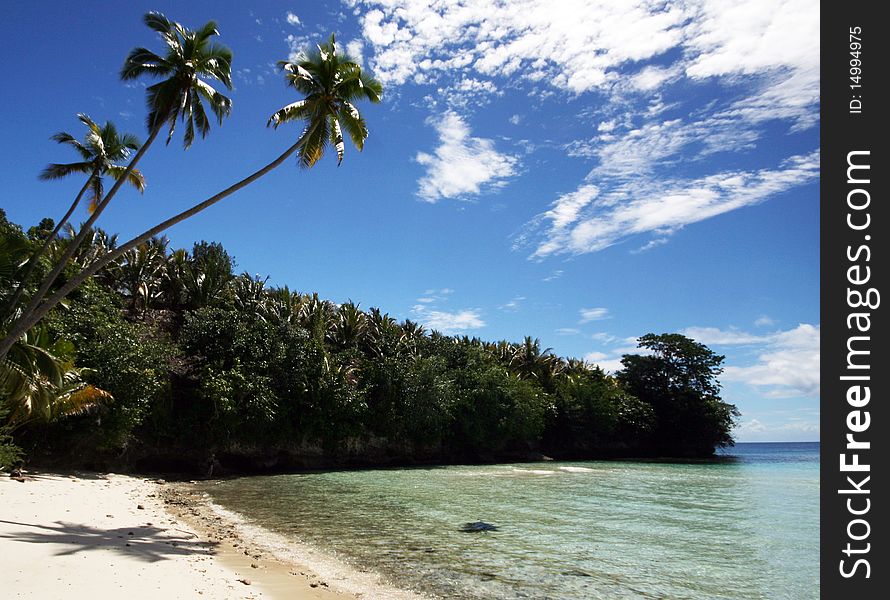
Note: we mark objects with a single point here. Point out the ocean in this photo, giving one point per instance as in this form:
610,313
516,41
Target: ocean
743,527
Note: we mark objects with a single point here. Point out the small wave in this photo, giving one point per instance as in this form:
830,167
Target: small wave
577,469
533,472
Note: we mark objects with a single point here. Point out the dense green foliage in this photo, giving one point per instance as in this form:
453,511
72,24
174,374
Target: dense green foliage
202,362
679,381
158,353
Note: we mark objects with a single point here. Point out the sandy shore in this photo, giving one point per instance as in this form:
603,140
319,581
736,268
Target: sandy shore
115,536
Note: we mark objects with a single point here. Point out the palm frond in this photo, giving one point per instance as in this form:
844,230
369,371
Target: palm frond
337,138
292,112
134,178
142,61
354,124
59,171
97,192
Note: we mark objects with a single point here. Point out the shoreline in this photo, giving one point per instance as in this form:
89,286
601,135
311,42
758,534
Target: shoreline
278,559
96,535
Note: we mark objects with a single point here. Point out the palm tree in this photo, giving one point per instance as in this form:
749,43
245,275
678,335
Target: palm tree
180,96
331,83
530,362
316,316
190,58
100,150
281,306
249,293
207,274
142,272
349,326
39,382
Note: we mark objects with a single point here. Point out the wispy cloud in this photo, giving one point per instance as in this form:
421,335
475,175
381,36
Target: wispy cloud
462,165
674,83
726,337
593,314
514,304
584,221
429,312
292,19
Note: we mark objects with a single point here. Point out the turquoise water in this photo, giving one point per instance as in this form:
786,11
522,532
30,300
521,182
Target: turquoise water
746,527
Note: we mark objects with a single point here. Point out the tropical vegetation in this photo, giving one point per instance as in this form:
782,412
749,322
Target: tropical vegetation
188,362
134,353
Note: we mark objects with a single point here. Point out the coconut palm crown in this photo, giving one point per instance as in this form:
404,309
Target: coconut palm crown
101,148
330,82
190,57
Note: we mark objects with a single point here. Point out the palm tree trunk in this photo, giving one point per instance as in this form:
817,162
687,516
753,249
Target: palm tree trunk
24,324
19,327
32,262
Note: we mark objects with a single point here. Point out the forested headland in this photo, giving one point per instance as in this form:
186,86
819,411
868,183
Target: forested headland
136,355
169,360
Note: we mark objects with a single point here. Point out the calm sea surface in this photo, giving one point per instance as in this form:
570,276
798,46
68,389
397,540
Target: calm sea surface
744,528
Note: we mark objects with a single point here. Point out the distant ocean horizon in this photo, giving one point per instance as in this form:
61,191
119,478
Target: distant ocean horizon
743,526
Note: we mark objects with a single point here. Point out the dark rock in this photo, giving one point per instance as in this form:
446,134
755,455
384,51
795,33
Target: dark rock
477,527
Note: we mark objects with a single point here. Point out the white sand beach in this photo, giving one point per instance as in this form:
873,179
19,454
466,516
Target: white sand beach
110,536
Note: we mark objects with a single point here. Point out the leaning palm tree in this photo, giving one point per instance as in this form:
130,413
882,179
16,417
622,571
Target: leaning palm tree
191,58
331,83
100,151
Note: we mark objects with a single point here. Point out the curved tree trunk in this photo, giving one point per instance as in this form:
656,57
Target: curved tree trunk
17,329
32,262
24,324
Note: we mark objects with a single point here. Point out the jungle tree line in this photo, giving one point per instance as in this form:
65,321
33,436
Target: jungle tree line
180,351
187,349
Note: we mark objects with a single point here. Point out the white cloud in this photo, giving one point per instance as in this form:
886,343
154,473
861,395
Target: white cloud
606,338
580,46
298,44
513,304
653,77
515,119
715,336
448,322
553,275
578,224
755,430
787,366
573,48
759,59
293,19
356,50
764,321
428,313
593,314
607,362
568,331
462,165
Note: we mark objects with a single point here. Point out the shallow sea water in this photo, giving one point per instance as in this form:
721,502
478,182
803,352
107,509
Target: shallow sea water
746,527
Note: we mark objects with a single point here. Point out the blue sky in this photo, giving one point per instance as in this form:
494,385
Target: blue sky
582,172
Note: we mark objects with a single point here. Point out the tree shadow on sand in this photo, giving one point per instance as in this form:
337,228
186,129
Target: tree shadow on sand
147,543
